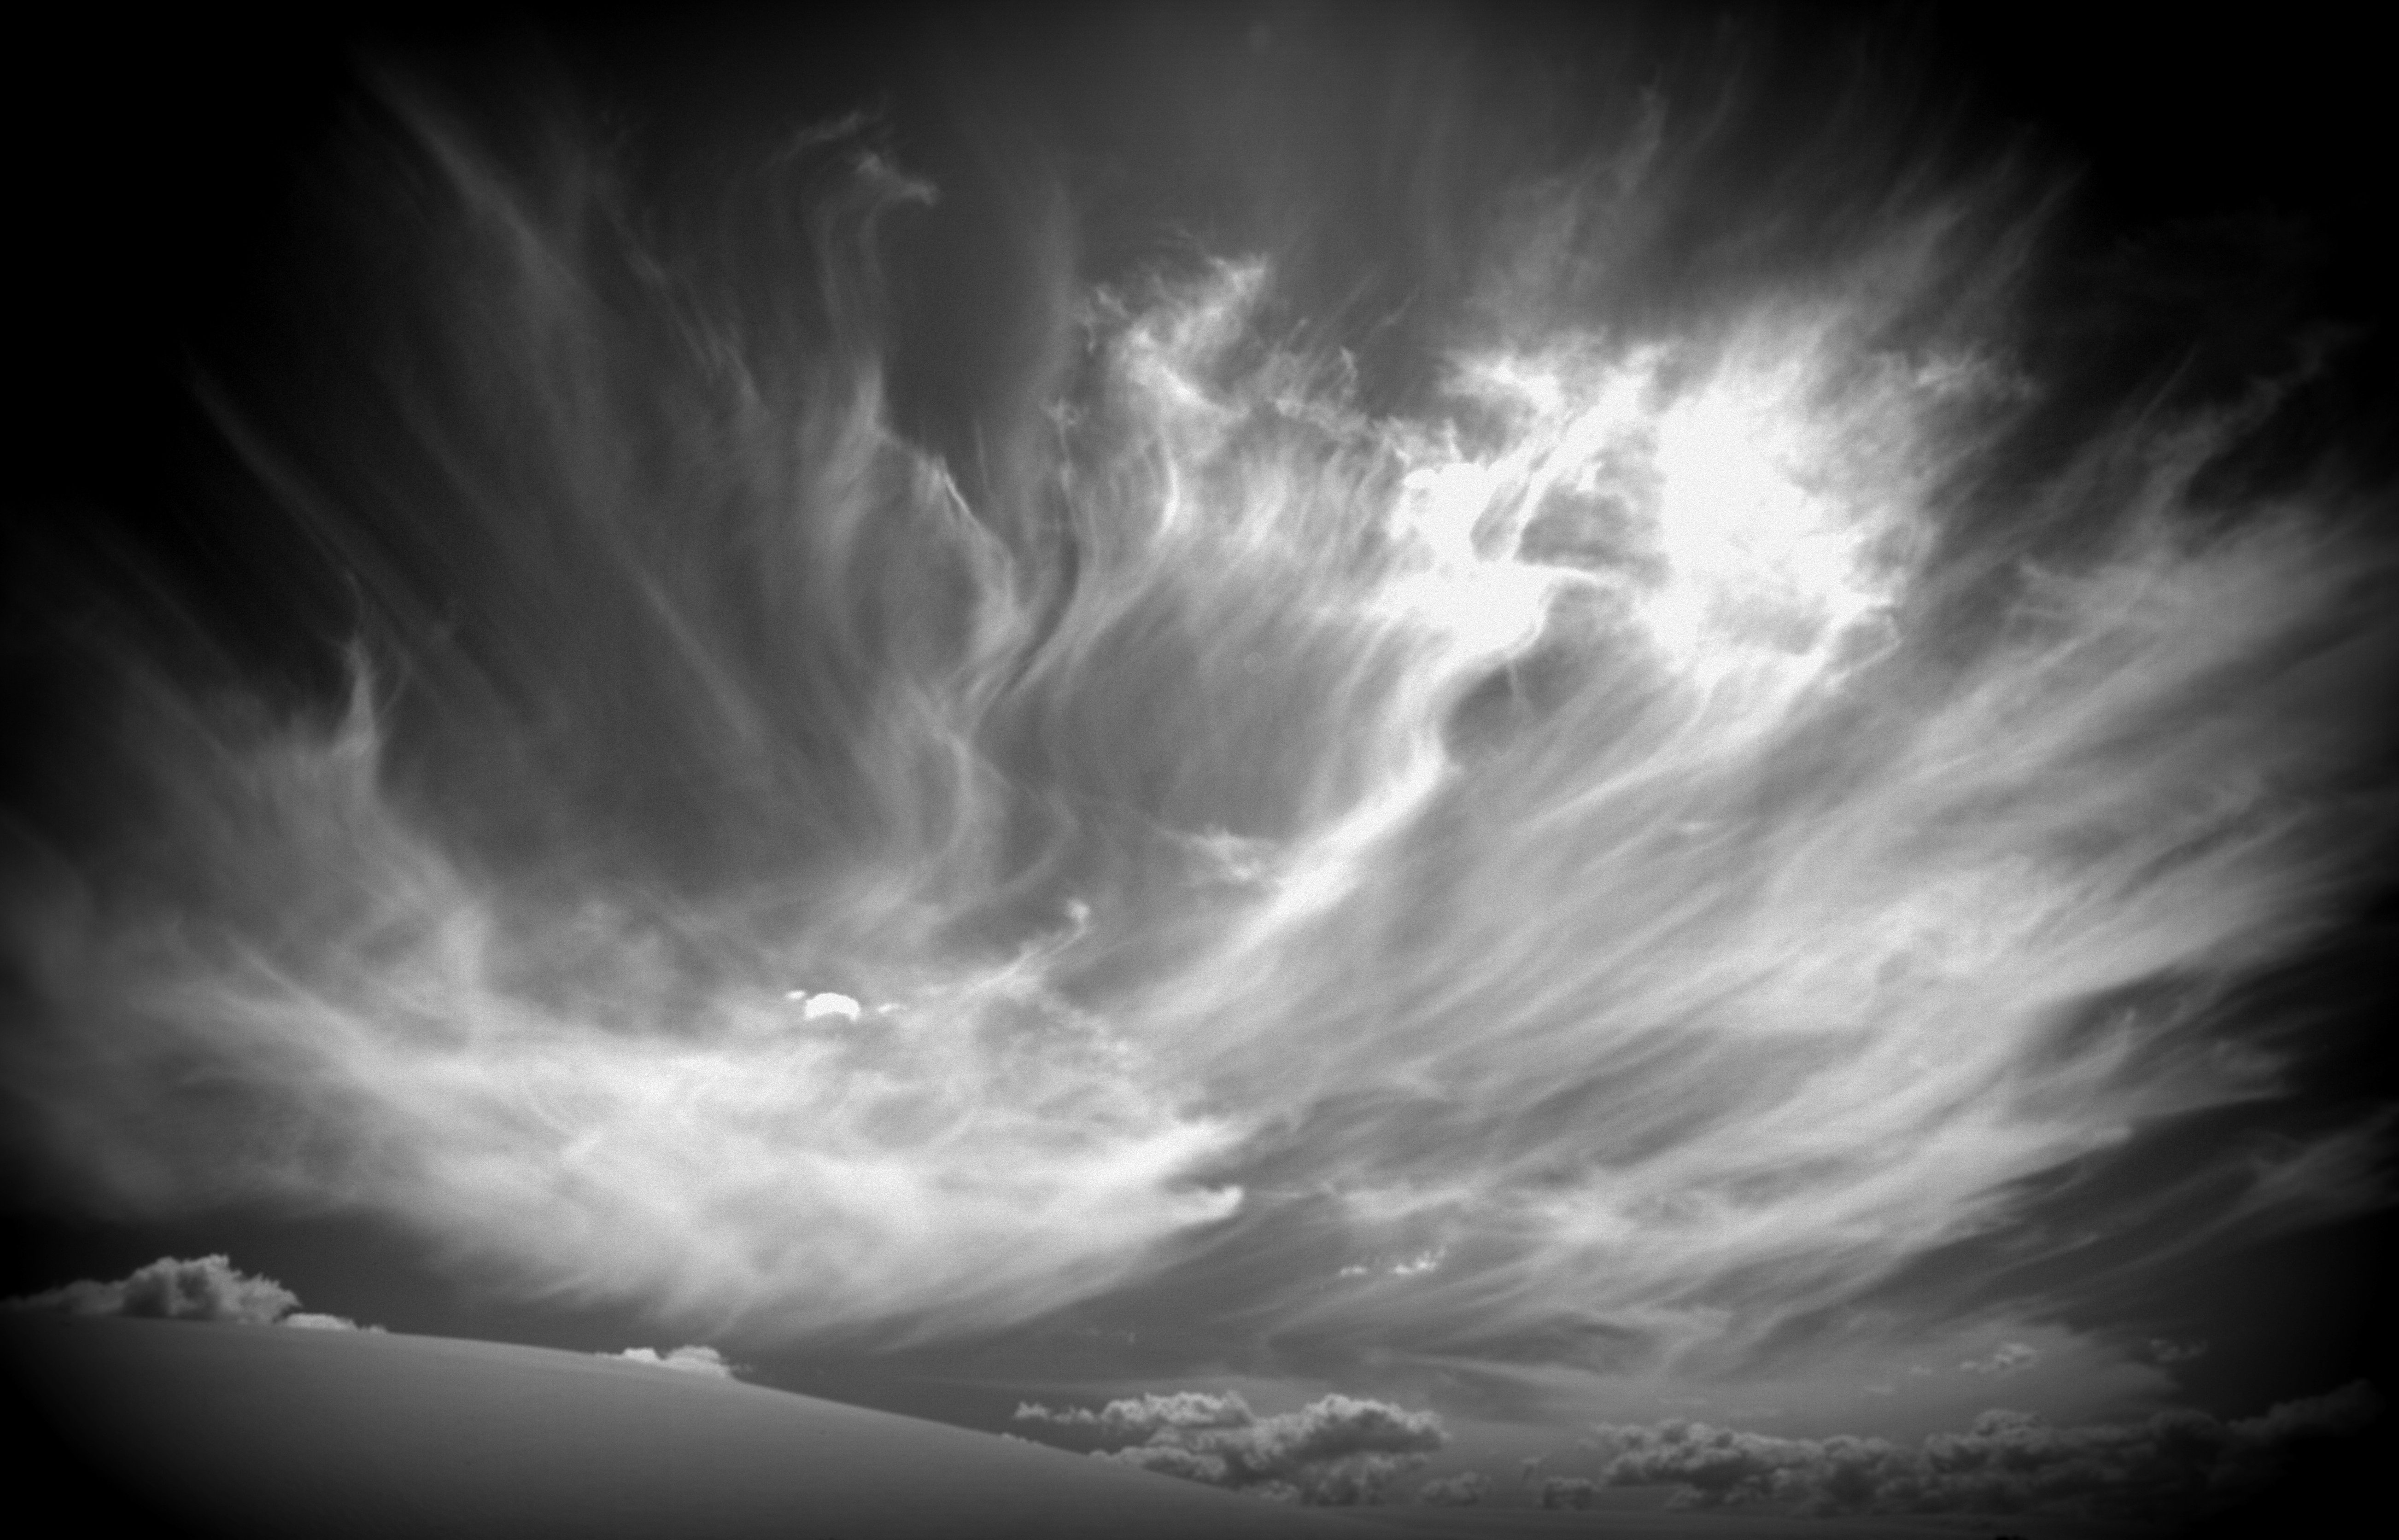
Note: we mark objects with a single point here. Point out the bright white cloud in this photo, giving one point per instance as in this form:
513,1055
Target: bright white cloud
816,1008
688,1359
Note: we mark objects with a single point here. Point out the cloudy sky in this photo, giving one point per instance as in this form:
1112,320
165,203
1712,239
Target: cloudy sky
1547,722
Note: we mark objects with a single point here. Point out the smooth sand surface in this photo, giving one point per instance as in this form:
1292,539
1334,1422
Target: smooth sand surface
265,1431
261,1431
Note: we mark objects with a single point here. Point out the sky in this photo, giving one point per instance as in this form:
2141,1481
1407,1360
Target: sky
1551,720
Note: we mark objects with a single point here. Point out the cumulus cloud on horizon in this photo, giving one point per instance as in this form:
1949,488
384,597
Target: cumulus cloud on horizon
1569,1492
199,1289
2180,1461
692,1359
1337,1449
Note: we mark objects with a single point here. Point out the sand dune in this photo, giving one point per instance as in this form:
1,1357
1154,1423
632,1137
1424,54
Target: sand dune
263,1431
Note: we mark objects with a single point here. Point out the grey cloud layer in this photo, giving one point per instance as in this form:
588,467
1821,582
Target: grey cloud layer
2174,1463
1467,1489
1337,1449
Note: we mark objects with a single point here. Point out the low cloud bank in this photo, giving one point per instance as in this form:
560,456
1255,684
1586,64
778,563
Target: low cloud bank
2008,1461
1463,1491
1569,1491
1337,1449
690,1359
199,1289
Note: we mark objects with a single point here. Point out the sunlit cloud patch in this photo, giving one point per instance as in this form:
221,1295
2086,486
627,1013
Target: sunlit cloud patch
689,1359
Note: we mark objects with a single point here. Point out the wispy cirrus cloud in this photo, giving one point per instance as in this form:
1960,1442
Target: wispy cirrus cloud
1598,851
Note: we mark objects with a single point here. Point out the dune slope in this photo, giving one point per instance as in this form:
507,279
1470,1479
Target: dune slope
265,1431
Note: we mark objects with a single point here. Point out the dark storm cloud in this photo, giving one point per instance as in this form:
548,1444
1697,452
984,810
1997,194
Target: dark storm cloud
1337,1449
2174,1463
200,1288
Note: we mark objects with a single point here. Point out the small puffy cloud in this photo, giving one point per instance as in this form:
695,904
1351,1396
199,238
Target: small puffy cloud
1530,1467
1337,1450
2008,1461
816,1008
690,1359
2005,1359
1569,1491
1406,1267
1462,1490
313,1320
203,1289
